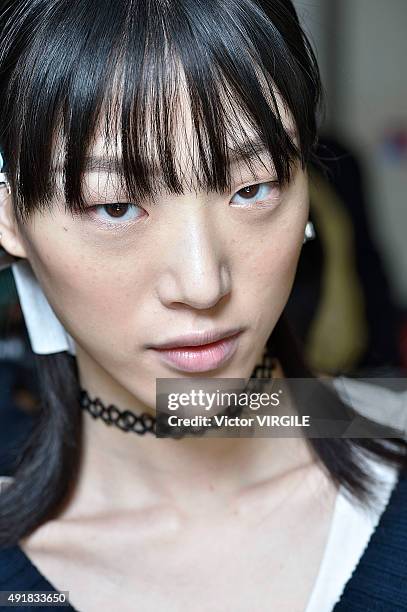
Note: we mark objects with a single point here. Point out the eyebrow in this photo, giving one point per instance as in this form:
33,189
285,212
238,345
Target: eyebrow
245,150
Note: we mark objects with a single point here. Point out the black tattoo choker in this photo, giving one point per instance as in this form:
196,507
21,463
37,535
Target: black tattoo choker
140,424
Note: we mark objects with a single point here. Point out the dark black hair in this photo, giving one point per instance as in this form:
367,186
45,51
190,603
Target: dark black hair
67,65
68,68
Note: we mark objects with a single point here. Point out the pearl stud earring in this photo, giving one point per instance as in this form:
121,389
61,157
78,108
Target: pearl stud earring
309,233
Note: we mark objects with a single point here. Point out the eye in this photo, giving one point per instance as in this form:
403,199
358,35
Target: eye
258,193
121,211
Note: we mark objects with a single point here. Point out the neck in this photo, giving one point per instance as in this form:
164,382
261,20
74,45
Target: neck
123,471
128,471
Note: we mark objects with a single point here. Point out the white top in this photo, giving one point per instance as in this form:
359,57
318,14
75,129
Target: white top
348,537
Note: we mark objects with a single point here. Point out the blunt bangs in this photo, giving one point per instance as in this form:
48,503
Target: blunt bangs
73,69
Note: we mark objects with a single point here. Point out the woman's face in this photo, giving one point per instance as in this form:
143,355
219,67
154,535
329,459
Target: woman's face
121,279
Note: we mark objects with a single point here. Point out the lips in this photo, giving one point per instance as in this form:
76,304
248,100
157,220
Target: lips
199,357
196,339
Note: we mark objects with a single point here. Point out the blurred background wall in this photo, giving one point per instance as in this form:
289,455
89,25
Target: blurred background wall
362,51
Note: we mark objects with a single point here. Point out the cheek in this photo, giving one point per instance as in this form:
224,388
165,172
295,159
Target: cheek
93,300
271,257
271,277
268,272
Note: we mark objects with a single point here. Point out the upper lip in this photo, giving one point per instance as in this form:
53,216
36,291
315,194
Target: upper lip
198,338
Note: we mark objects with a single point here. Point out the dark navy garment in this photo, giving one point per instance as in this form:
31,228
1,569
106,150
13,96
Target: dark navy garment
378,583
17,573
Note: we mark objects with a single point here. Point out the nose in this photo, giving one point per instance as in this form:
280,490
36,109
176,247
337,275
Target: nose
196,271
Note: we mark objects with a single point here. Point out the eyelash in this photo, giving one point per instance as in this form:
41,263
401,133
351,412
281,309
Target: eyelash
91,210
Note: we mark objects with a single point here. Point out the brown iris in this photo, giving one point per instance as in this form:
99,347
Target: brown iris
250,191
116,210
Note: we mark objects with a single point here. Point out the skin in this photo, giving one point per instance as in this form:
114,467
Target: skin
194,262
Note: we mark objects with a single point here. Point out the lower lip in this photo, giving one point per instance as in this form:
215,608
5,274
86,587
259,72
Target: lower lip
200,358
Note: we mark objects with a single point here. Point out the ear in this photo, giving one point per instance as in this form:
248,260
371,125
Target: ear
11,239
